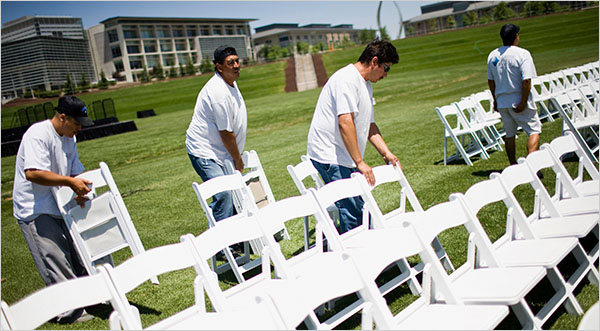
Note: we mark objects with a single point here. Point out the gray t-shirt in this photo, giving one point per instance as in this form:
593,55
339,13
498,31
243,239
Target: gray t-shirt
508,66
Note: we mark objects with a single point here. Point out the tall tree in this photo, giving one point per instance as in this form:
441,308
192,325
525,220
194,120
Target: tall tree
69,86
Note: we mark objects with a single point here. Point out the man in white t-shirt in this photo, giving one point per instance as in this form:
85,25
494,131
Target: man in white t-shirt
217,131
344,121
510,70
48,157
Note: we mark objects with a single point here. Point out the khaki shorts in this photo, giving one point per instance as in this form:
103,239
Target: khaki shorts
528,120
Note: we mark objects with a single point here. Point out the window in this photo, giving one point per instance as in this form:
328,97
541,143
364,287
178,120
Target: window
217,30
178,31
166,46
180,45
163,31
229,30
240,29
116,51
112,36
147,31
191,31
133,47
204,30
284,38
119,66
150,46
183,58
130,32
58,34
168,60
152,61
192,44
135,62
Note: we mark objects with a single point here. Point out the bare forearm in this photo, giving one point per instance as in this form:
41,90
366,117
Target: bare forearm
348,133
377,141
525,91
48,178
492,86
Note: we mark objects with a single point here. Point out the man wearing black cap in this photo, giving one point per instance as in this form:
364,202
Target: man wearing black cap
217,131
510,70
48,157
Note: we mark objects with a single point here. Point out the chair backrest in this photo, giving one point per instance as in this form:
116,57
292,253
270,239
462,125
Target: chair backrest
468,105
451,111
301,171
232,230
484,101
542,159
567,143
140,268
37,308
209,188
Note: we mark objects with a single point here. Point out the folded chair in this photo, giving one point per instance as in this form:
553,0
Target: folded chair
299,172
472,284
561,147
529,250
477,120
462,135
569,114
36,309
103,226
233,183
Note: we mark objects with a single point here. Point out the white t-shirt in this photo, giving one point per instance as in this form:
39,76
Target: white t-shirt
42,148
508,66
219,107
346,92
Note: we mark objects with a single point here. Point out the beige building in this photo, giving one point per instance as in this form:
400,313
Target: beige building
122,46
289,34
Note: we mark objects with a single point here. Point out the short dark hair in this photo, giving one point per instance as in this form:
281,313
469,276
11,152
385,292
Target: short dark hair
222,52
508,33
383,49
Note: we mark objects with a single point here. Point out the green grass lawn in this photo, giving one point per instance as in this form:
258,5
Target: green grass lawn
154,173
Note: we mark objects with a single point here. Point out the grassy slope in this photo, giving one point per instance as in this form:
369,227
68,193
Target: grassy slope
154,174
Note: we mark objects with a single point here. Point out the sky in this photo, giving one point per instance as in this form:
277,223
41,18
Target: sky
362,14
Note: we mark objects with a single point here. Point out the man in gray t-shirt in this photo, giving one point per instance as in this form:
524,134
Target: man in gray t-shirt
510,70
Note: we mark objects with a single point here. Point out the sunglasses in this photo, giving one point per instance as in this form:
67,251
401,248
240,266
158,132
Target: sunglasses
231,62
386,67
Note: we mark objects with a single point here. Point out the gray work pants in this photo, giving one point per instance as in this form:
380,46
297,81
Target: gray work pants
54,254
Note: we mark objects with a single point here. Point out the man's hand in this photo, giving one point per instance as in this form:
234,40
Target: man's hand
81,200
519,108
238,164
366,170
495,105
80,186
390,158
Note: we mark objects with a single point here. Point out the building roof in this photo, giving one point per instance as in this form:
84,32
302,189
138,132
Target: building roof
138,19
446,9
27,18
277,28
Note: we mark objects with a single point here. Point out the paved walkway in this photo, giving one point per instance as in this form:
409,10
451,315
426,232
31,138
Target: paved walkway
306,78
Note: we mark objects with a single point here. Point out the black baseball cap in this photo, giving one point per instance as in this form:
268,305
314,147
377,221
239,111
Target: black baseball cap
508,32
222,52
72,106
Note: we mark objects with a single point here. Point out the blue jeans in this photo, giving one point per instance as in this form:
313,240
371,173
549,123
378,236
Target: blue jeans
350,209
222,204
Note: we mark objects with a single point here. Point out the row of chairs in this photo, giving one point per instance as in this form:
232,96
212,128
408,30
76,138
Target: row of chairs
571,94
497,276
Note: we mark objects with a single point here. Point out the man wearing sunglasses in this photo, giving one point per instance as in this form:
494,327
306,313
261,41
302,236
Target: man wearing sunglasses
344,121
217,131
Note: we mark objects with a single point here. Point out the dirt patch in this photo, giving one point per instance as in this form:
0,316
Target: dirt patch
290,76
319,70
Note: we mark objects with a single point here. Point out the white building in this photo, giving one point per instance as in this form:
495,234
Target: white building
124,45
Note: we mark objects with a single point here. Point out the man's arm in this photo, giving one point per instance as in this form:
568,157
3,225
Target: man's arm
228,139
492,86
49,178
348,133
525,91
377,141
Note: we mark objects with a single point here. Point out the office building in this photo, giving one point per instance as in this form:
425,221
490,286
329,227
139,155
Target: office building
122,46
38,52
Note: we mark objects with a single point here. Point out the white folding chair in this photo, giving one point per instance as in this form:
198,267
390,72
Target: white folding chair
471,284
387,174
299,172
103,226
477,120
34,310
563,146
530,250
232,183
257,182
570,114
485,102
541,97
554,226
464,137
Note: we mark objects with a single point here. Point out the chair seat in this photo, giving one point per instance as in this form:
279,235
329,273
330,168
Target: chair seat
454,317
589,188
572,226
539,252
497,285
579,206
